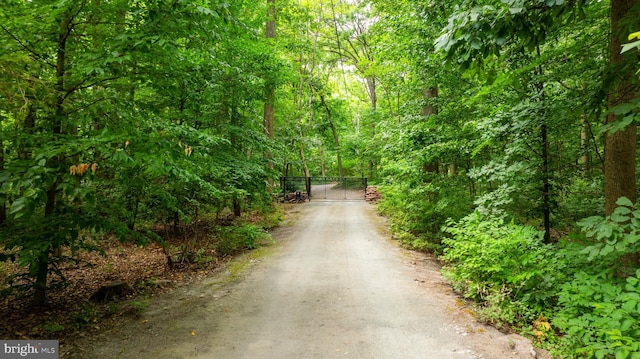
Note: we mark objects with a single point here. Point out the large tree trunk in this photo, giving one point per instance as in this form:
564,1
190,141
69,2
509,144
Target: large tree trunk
620,147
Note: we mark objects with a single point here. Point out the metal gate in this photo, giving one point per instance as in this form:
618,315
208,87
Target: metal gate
331,188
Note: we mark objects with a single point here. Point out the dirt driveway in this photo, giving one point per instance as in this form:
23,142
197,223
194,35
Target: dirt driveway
332,286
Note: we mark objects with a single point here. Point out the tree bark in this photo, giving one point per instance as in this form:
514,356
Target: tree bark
42,264
3,206
544,143
303,160
270,89
428,110
620,147
584,158
334,132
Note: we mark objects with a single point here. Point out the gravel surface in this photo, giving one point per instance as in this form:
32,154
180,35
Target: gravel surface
332,286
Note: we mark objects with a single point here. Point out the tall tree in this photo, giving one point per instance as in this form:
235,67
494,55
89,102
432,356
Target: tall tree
620,146
112,111
270,87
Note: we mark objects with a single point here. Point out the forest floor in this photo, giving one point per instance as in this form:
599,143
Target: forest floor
70,314
331,285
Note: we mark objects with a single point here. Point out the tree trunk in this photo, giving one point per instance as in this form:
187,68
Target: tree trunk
336,140
371,168
270,89
427,110
302,157
584,158
544,143
620,147
3,206
371,92
24,148
323,168
237,208
42,264
546,185
334,132
453,170
429,94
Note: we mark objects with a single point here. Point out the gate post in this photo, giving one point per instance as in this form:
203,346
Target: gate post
364,182
307,184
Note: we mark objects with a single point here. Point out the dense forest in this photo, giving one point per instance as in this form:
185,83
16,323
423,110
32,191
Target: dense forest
501,133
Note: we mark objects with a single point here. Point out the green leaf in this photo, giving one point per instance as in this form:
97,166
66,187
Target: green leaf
627,324
629,306
17,206
622,353
624,201
629,46
622,210
618,218
606,250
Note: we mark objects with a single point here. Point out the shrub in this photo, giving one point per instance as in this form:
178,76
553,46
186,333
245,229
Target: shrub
234,239
600,316
418,209
599,307
503,266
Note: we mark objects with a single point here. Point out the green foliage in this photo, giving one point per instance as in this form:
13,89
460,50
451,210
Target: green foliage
580,199
588,285
615,236
84,316
233,239
599,307
632,44
503,266
53,327
417,210
139,305
117,116
599,315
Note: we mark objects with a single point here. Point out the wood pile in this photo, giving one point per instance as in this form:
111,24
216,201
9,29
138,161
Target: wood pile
371,194
296,197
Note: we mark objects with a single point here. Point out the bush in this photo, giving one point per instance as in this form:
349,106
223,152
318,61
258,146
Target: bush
580,199
506,268
417,210
235,239
599,306
600,316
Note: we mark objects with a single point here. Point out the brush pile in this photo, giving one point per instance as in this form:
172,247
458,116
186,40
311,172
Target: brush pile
372,194
296,197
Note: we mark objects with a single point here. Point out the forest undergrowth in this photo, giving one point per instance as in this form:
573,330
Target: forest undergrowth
187,253
578,297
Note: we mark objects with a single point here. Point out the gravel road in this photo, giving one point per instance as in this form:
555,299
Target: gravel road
332,286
